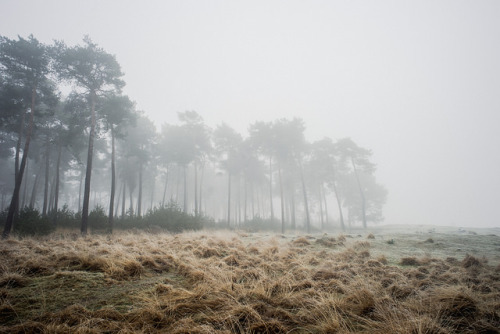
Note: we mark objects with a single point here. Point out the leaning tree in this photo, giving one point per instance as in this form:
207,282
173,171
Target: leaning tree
24,63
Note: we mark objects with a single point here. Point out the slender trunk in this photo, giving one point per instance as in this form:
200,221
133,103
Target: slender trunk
239,200
320,196
185,190
46,186
153,191
113,182
306,205
339,205
252,199
25,191
326,206
201,187
361,193
14,204
88,174
165,188
80,192
52,195
292,208
245,200
195,190
118,201
282,202
228,199
177,186
260,202
271,186
131,209
35,187
139,199
18,149
124,198
56,195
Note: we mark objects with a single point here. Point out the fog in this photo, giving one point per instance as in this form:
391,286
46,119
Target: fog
415,82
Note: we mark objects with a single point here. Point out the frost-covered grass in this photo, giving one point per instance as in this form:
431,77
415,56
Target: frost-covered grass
237,282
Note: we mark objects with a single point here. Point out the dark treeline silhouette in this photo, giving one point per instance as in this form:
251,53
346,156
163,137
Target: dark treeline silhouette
94,151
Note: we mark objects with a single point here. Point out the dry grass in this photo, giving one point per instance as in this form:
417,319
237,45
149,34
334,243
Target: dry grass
221,282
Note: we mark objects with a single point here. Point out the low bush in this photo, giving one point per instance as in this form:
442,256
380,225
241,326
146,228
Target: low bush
169,217
66,218
98,220
172,218
30,222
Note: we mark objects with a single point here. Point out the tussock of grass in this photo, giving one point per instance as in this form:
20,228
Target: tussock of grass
12,280
409,261
238,283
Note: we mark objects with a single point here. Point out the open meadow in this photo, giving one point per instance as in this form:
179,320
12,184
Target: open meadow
385,280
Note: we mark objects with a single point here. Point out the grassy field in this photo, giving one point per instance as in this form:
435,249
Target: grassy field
386,280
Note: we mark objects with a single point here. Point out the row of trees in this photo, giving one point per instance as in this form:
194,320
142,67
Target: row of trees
53,142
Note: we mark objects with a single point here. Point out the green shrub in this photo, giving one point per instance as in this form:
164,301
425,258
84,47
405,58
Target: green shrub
169,217
30,222
66,218
98,220
172,218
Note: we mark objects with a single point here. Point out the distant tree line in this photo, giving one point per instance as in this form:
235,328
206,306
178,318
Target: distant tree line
92,149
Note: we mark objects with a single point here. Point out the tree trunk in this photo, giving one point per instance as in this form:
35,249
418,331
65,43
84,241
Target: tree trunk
14,204
292,209
228,199
339,205
131,198
124,198
306,205
25,190
363,202
271,187
52,195
245,200
18,149
46,185
113,182
201,187
326,206
177,186
56,195
35,187
282,202
253,199
185,190
118,201
153,191
321,208
195,190
88,174
139,199
165,189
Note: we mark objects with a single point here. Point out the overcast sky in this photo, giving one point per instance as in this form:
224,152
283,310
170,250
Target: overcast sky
417,82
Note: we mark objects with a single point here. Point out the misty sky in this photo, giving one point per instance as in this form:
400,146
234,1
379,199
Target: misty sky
418,82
